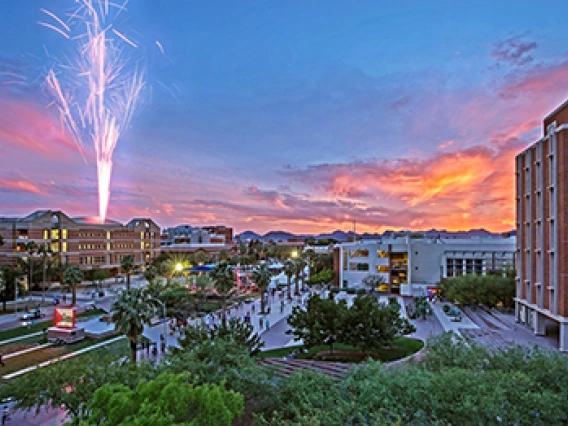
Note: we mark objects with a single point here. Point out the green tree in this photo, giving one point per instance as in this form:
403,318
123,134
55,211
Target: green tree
99,276
322,322
235,331
10,275
167,400
71,384
261,277
289,270
131,311
127,265
200,257
72,277
223,279
324,276
150,274
371,326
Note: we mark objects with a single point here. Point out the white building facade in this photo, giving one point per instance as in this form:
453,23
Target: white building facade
409,266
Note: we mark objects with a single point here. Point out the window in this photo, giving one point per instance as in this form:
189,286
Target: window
55,234
354,266
359,253
64,246
382,268
382,253
64,234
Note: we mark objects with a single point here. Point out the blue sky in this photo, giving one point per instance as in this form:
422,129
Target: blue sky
299,115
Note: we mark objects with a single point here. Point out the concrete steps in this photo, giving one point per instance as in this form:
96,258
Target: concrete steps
285,367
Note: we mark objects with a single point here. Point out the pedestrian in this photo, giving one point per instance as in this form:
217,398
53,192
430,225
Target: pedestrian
267,324
261,322
282,307
2,361
4,415
155,349
268,310
253,308
147,348
162,338
163,346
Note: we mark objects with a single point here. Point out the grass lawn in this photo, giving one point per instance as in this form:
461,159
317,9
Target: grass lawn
401,348
40,326
41,355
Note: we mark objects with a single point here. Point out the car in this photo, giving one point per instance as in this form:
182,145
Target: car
33,314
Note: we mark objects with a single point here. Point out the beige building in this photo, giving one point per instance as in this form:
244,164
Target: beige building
80,241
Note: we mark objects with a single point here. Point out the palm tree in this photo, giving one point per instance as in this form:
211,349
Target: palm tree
8,285
44,251
289,270
300,265
223,279
127,265
31,249
261,277
311,257
131,311
150,274
72,277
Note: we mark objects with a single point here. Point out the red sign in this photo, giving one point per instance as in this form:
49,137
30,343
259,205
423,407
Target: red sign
65,317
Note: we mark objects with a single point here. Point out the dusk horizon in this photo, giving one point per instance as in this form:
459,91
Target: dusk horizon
294,117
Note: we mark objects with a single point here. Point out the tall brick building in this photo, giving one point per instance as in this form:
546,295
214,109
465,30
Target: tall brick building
80,241
542,228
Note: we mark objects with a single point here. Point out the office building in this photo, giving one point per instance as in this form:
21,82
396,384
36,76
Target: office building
411,265
542,229
80,241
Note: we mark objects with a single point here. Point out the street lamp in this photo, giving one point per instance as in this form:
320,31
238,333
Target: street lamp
295,254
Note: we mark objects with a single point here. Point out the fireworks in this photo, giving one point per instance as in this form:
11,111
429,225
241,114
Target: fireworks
97,92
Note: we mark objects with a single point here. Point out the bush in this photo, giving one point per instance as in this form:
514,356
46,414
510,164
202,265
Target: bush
446,309
361,291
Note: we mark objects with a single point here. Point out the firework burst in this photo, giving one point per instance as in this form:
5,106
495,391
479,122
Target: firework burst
97,92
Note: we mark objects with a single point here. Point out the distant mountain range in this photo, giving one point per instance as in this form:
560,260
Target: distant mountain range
343,236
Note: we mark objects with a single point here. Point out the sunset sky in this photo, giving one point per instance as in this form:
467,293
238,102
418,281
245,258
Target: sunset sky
295,115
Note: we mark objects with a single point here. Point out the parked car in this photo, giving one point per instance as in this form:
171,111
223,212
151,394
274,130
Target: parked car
34,314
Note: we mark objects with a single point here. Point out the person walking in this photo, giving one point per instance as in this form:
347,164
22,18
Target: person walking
282,307
261,322
267,324
4,415
2,361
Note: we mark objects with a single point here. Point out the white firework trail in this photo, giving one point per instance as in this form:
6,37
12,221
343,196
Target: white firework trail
96,93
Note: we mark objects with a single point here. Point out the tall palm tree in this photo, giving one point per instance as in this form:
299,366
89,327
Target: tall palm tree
289,270
300,265
127,265
261,277
223,279
310,256
72,277
44,251
31,249
131,311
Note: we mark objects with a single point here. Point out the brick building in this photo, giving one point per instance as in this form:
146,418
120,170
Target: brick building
80,241
542,228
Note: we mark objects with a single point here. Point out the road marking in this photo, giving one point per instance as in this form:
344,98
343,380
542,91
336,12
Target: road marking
25,351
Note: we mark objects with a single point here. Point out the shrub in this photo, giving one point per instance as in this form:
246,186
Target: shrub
361,291
446,308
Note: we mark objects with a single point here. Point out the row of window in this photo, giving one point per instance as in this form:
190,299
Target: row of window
92,260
